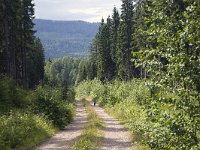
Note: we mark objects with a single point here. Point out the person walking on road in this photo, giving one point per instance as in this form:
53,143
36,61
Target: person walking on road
94,100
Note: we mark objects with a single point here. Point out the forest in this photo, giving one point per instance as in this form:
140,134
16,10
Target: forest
143,69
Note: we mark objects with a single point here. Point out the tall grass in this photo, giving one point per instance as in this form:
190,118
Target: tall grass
20,130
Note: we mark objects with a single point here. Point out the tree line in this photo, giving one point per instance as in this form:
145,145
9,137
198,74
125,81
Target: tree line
68,70
146,34
21,53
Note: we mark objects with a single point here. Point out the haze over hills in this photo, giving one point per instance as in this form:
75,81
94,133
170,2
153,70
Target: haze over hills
65,38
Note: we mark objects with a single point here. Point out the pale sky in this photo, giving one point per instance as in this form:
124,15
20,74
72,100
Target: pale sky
87,10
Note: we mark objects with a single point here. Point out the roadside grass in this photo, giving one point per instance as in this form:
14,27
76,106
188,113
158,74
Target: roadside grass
20,130
91,137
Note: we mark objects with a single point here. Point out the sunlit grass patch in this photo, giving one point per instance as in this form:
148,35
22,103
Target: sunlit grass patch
20,130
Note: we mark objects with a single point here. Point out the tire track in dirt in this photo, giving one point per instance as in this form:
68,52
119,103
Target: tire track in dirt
65,139
116,137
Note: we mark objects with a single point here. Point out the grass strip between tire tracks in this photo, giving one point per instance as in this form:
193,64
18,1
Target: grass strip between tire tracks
91,137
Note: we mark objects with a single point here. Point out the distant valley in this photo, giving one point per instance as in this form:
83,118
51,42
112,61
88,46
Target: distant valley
65,38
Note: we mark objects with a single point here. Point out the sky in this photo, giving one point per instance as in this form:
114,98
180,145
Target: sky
86,10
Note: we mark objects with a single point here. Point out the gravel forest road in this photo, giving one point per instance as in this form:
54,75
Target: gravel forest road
116,137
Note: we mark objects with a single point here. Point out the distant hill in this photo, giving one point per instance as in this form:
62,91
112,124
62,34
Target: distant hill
65,38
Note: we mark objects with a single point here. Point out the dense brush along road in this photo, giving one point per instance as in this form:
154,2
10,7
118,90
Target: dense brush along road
116,137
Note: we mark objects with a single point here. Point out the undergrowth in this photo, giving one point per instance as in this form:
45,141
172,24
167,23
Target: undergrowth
22,130
28,117
157,122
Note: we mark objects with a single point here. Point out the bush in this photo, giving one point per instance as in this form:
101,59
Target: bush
20,130
48,101
12,96
7,94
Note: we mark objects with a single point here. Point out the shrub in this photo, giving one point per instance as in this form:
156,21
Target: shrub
7,94
11,96
20,130
48,101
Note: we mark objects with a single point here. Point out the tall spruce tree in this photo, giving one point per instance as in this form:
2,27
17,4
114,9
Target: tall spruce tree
125,66
27,37
101,64
111,65
93,57
115,22
82,73
105,64
17,44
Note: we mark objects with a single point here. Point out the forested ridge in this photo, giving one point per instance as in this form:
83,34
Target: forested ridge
143,68
65,38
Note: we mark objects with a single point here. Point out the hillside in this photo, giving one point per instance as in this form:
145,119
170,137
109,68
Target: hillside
65,38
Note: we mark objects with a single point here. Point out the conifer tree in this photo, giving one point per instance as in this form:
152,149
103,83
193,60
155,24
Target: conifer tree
17,45
27,37
114,28
36,64
101,64
125,66
93,57
105,64
82,73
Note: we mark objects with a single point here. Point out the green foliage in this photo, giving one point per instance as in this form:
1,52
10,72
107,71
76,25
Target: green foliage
82,74
43,109
7,94
58,71
20,130
169,55
48,101
157,122
12,96
36,64
69,70
67,94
